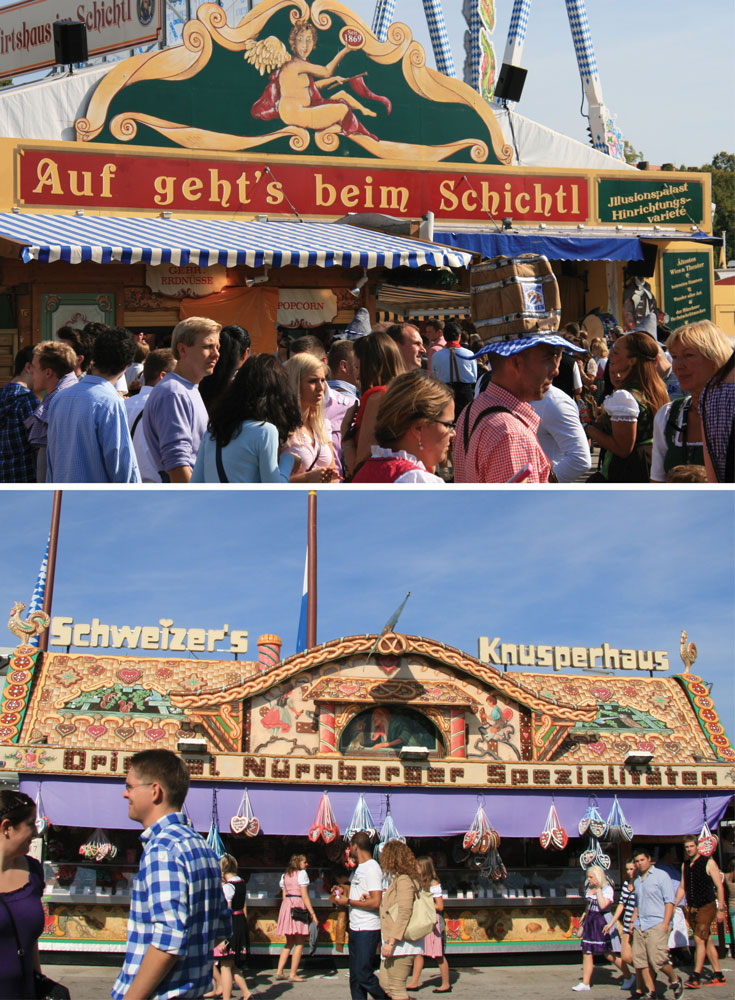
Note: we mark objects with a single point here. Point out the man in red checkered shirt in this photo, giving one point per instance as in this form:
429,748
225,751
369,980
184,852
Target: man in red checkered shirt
496,435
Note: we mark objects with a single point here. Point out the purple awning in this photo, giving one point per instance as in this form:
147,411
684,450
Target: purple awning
291,810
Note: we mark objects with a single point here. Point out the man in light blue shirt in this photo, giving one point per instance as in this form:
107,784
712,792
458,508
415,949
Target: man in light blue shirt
654,900
562,436
175,417
88,436
456,367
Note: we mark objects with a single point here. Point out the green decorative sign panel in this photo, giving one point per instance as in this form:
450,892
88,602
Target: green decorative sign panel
651,202
687,278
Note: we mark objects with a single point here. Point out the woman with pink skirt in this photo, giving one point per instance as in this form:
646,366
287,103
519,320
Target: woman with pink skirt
294,896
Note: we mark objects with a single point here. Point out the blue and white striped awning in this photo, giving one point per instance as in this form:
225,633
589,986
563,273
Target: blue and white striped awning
102,239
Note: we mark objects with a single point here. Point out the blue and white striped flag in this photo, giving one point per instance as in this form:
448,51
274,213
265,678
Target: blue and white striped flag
39,591
301,639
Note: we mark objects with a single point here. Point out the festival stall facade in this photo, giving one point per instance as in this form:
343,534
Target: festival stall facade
224,176
512,781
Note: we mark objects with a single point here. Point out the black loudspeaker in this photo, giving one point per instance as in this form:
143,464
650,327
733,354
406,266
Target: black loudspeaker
70,42
510,83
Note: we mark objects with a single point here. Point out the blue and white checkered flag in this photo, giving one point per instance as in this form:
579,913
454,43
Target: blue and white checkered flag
39,591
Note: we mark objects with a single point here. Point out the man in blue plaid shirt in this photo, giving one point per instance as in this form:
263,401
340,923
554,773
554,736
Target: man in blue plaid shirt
178,910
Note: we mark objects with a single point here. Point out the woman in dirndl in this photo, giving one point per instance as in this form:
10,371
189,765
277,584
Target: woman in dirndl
434,942
294,895
600,898
229,954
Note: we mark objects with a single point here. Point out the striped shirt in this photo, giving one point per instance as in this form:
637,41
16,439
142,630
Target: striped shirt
503,442
176,906
627,899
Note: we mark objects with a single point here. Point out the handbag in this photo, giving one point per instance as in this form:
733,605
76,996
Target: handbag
423,915
49,989
44,987
301,914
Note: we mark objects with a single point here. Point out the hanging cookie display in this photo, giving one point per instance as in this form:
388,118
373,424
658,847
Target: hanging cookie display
554,837
98,847
707,841
325,825
594,855
592,822
213,838
618,829
481,837
361,821
245,822
42,821
388,831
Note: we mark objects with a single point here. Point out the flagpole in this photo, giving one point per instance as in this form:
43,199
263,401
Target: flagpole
311,572
53,543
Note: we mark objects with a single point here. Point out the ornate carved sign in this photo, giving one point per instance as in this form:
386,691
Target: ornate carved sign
294,75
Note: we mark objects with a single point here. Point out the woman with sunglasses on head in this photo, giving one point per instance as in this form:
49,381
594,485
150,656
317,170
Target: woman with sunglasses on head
21,888
414,428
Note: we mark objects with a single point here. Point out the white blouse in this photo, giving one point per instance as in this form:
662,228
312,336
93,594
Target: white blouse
622,405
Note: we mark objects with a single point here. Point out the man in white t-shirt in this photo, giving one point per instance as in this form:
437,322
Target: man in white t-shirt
366,892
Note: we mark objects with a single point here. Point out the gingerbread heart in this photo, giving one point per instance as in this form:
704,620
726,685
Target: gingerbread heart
96,730
129,675
155,734
559,838
238,825
470,839
329,833
315,832
253,827
124,732
65,729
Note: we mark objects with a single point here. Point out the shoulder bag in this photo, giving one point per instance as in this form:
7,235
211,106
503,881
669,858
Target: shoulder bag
45,988
423,915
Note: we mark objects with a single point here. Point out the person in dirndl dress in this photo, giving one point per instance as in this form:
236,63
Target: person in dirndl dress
600,897
294,893
435,941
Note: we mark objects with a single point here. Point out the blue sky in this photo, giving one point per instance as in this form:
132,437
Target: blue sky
665,67
557,567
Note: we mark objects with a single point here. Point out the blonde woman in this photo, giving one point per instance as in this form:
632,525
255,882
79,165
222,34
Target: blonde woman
399,864
312,442
435,942
229,954
294,896
697,350
600,898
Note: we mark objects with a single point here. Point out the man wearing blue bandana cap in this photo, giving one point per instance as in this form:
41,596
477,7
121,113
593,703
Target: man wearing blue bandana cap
496,435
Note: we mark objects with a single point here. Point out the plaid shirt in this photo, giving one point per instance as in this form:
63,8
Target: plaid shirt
503,442
17,455
177,906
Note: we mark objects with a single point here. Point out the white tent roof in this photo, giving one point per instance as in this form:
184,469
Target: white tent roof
48,108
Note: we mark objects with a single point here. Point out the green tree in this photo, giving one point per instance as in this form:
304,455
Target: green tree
722,171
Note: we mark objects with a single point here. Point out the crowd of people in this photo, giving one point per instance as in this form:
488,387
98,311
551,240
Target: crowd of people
377,404
188,933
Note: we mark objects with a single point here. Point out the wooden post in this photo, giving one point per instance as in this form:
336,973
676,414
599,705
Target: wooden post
311,573
48,594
